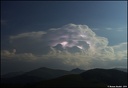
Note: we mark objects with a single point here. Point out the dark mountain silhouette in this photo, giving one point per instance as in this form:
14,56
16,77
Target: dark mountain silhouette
77,71
47,73
36,75
46,77
108,76
12,74
122,69
90,78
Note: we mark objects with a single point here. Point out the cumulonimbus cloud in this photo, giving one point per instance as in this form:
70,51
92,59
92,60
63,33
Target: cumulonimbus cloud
91,47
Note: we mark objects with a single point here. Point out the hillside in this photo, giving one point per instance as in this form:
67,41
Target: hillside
90,78
36,75
46,77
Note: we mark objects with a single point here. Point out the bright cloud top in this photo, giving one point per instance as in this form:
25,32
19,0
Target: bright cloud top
72,44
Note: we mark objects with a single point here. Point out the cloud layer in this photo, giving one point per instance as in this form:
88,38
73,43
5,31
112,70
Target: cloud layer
70,45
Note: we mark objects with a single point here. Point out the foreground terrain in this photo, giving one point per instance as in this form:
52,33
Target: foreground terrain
46,77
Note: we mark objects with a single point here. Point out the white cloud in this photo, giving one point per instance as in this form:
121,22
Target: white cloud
120,50
5,54
38,46
29,34
95,29
120,29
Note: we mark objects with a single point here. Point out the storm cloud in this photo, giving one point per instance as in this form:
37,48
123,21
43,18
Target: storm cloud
70,45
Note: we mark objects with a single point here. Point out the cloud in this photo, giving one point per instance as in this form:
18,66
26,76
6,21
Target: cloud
119,29
32,35
90,49
120,50
30,42
108,28
95,29
5,54
72,34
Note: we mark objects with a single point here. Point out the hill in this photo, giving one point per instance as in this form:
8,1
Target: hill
46,77
122,69
77,71
12,74
90,78
36,76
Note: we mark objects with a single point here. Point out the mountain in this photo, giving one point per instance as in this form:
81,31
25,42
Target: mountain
46,77
122,69
39,74
47,73
77,71
36,75
89,78
12,74
108,76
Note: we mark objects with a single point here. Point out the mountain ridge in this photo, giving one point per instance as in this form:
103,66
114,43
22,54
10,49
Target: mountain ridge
61,78
91,78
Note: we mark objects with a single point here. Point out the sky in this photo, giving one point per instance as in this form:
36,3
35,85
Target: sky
63,34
